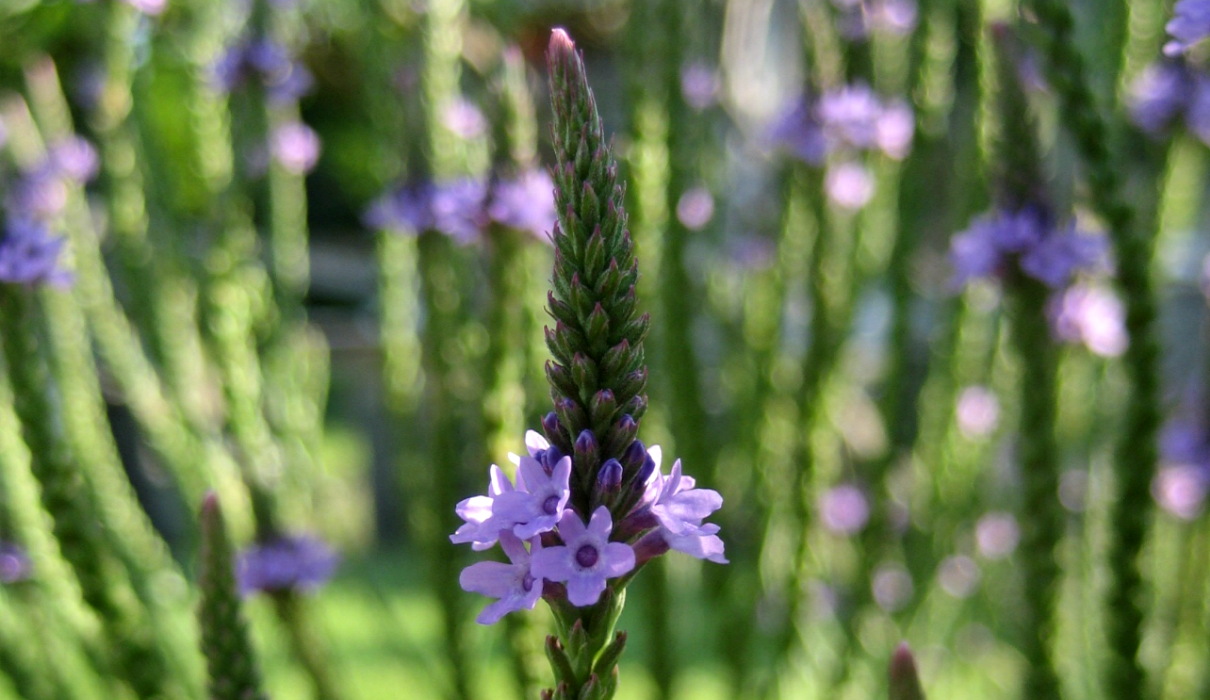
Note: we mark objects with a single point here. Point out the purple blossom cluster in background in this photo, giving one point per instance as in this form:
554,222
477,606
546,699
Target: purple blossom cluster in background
847,122
1027,239
463,208
548,542
859,18
266,62
1091,315
29,252
1168,92
287,563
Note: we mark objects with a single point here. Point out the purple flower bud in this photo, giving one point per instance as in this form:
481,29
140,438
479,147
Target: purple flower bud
586,447
609,478
634,456
550,425
627,423
644,475
550,457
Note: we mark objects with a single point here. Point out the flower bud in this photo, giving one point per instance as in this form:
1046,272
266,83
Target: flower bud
609,478
550,424
587,450
634,456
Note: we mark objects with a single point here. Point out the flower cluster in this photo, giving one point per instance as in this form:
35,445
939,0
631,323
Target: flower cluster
285,563
1190,24
463,208
548,541
1175,88
263,61
29,252
847,121
997,243
859,18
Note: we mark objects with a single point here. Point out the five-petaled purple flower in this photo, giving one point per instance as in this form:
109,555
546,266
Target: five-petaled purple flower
285,563
477,511
512,583
586,559
680,508
538,507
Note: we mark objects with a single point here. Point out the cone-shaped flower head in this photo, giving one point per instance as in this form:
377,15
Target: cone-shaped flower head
597,376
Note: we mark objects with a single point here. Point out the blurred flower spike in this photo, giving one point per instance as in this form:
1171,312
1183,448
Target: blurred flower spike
286,563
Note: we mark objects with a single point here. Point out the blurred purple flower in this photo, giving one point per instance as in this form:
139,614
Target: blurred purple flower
30,255
894,129
798,132
285,563
586,559
406,208
892,586
463,118
978,412
695,208
1180,489
958,576
40,194
1091,315
512,583
997,535
458,208
14,564
844,510
148,7
1190,24
284,78
295,146
896,17
850,115
525,203
74,159
1159,95
1183,440
699,85
849,185
1044,252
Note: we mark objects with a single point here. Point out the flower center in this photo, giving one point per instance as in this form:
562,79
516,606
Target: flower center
527,583
551,504
586,556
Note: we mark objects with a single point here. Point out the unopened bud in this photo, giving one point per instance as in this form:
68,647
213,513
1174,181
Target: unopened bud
634,456
609,478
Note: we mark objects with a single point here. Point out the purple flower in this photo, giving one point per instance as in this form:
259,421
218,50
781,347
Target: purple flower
406,209
1063,253
978,411
997,535
1092,315
1189,25
39,194
283,78
1159,95
463,118
148,7
525,203
895,17
699,85
513,583
850,115
1181,489
538,506
894,129
798,132
695,208
680,508
1184,441
1042,251
74,159
457,208
285,563
14,563
476,511
586,559
849,185
844,510
29,254
295,146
